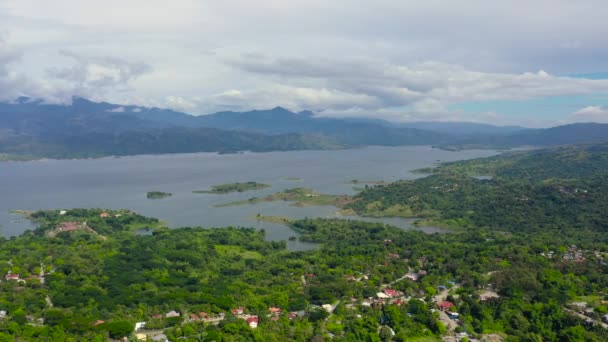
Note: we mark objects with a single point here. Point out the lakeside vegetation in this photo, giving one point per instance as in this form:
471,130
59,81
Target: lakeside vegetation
561,189
158,194
233,187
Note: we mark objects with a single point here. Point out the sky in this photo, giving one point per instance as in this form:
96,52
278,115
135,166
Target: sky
536,63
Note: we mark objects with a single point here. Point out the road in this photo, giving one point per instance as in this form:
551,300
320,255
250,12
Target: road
440,297
584,317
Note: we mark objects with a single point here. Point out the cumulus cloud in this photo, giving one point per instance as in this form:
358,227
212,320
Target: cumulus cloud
12,84
400,60
590,114
90,76
423,90
180,103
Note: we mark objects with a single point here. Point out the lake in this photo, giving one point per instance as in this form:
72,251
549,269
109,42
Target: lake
116,183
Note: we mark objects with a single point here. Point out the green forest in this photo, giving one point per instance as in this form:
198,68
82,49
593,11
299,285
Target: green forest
526,261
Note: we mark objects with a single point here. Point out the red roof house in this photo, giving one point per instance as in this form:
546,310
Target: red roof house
253,321
12,276
238,311
68,226
445,306
391,292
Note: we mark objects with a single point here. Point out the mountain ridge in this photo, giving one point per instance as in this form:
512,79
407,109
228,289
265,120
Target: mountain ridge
87,128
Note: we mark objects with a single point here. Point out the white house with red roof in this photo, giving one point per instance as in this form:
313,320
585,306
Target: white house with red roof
253,322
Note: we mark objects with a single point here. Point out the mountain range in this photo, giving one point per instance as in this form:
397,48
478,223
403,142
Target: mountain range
89,129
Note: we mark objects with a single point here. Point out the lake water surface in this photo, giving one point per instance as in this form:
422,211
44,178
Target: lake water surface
116,183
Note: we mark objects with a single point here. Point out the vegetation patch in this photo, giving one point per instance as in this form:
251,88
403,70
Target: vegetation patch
272,219
158,194
232,251
299,196
233,187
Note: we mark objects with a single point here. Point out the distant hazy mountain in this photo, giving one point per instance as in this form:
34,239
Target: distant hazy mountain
463,128
90,128
578,133
87,128
346,131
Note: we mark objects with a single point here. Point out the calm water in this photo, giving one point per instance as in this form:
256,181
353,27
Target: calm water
116,183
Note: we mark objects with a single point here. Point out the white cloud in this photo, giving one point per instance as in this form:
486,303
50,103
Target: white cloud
590,114
179,103
393,59
423,90
116,110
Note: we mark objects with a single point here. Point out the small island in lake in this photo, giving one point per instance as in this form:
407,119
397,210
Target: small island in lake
158,194
301,197
293,178
272,219
233,187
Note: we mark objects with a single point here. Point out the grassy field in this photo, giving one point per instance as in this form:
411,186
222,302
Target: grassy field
232,251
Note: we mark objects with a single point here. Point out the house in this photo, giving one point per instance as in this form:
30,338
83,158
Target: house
203,314
274,310
391,292
104,215
172,313
382,295
12,276
253,322
157,316
2,314
441,288
194,317
159,338
422,273
294,314
274,318
98,322
68,226
412,276
62,212
487,295
445,305
398,302
238,311
605,317
140,325
328,307
579,305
